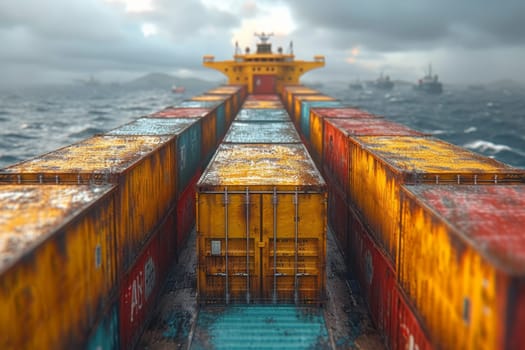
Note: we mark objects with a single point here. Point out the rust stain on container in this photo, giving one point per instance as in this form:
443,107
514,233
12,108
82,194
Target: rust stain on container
379,165
226,101
58,268
261,226
462,262
124,160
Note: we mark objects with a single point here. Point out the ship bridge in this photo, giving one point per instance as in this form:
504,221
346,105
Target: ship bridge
263,72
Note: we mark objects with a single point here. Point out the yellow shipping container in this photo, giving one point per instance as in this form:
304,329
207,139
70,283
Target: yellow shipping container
299,99
227,100
261,226
461,263
144,167
263,104
380,164
58,266
291,90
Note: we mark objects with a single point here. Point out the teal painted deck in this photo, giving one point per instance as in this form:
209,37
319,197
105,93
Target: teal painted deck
260,327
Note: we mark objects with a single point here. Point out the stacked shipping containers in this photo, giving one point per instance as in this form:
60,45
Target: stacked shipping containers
412,259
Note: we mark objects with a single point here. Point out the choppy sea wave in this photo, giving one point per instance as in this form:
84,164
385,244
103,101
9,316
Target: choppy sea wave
490,122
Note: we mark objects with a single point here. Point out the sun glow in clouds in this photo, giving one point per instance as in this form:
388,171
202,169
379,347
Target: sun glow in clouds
149,29
354,52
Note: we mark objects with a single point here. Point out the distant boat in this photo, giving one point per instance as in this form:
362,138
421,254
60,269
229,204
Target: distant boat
429,83
178,89
383,82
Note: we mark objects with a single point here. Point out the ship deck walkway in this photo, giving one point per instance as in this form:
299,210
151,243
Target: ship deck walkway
179,323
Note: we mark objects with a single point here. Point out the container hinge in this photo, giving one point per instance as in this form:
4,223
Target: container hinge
240,274
279,274
221,274
300,274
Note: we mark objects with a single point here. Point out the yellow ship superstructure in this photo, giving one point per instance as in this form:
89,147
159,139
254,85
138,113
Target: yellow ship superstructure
263,72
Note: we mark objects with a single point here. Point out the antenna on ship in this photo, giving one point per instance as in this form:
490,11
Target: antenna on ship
290,49
237,48
263,37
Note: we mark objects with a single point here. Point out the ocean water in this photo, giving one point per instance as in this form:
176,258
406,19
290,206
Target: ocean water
487,121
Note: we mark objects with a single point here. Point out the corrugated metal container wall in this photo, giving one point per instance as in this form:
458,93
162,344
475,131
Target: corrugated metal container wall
187,135
376,277
208,119
220,122
409,332
262,115
336,150
58,267
317,116
262,132
186,212
168,238
106,332
461,262
261,104
138,293
263,97
380,164
298,100
338,217
234,91
144,167
261,226
226,101
290,91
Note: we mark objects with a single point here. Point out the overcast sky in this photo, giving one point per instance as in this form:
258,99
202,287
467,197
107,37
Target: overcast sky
469,41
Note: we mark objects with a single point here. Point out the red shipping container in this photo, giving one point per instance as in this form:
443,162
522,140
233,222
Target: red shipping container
186,212
409,333
376,277
138,294
168,243
338,217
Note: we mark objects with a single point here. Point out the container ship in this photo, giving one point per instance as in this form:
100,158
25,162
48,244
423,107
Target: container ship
227,221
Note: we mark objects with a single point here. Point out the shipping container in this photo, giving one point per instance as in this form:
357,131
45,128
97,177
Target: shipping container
186,212
376,277
261,226
338,217
317,116
461,263
208,120
144,167
226,101
106,333
262,115
262,104
410,332
336,142
58,265
262,132
263,97
138,293
234,91
295,109
186,134
168,248
220,114
306,106
379,165
290,90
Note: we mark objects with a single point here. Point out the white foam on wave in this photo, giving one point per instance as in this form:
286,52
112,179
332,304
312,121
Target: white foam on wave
486,146
470,129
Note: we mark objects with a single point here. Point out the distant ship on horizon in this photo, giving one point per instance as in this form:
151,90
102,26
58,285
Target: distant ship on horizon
178,89
429,83
383,82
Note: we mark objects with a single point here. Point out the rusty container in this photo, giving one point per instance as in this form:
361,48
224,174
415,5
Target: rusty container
186,212
208,120
262,104
289,91
58,270
261,226
461,263
338,217
236,91
186,134
379,165
139,292
105,334
409,330
225,100
375,274
262,115
262,132
306,107
317,116
301,108
220,114
263,97
144,167
336,143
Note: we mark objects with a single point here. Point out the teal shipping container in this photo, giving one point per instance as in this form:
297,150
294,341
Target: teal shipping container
188,132
306,106
263,115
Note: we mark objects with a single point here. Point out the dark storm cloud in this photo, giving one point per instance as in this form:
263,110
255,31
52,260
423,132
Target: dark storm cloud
415,24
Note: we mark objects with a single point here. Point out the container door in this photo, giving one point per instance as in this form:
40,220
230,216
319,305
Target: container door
264,84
